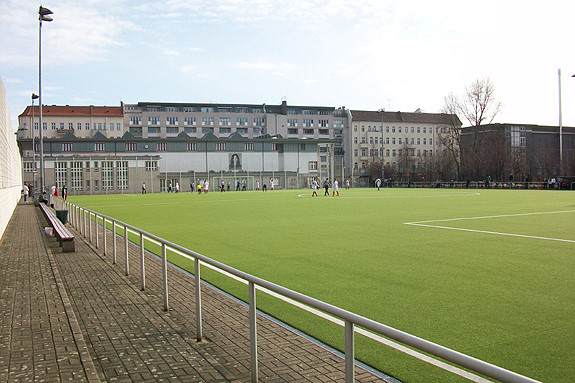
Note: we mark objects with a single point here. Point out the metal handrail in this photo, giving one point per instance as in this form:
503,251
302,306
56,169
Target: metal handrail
79,215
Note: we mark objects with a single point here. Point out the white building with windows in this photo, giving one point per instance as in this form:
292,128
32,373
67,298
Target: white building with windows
399,137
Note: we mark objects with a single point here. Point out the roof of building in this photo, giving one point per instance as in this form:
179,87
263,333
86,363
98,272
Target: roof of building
529,127
94,111
415,118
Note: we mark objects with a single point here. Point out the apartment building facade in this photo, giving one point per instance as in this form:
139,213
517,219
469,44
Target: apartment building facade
404,141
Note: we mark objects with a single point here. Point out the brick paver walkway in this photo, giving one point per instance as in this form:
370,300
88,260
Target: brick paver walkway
76,316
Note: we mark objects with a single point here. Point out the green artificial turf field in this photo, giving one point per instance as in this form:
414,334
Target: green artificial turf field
498,285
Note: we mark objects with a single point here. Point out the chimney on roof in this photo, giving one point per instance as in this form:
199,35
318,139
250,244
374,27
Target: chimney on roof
284,107
91,108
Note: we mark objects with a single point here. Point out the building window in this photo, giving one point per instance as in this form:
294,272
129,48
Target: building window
60,173
28,166
363,152
241,121
258,121
363,140
308,132
99,147
153,120
151,165
292,131
338,123
107,175
172,130
323,123
207,121
355,152
154,130
135,120
307,123
225,121
171,109
131,146
292,122
76,175
312,165
189,130
79,126
225,130
242,130
207,130
192,146
87,126
249,146
161,146
324,132
189,121
221,146
122,175
67,147
355,166
96,166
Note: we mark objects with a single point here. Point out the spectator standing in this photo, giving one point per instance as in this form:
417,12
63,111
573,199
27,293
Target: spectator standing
26,191
143,187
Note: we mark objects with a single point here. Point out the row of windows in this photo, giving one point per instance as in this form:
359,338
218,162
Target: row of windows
76,180
400,129
193,130
400,140
393,152
160,146
81,126
192,121
364,165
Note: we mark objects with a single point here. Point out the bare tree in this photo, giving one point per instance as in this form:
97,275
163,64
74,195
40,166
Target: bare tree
477,106
450,135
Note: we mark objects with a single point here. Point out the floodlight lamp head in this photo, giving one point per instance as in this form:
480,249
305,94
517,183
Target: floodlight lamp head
44,12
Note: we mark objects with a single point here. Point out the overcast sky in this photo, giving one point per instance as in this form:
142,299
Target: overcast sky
362,54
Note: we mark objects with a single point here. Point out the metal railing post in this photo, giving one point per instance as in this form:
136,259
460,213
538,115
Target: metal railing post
349,353
85,223
126,249
90,226
114,240
104,234
253,333
165,276
142,262
97,239
198,284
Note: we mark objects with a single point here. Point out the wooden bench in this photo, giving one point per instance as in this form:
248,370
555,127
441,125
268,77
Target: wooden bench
65,238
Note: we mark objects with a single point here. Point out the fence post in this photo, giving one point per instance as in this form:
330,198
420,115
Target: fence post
90,226
165,276
126,249
349,353
142,264
97,239
114,241
85,223
198,284
104,234
253,333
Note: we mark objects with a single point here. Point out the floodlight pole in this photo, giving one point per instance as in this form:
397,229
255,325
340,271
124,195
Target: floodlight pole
34,96
43,15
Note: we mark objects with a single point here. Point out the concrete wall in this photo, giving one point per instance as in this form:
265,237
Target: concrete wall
10,165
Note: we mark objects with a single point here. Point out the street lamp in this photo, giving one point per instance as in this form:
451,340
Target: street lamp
382,111
34,97
43,15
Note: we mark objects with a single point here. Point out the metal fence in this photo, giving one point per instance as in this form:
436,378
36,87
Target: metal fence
83,219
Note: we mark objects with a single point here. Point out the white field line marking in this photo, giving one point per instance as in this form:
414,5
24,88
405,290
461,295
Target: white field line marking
423,224
438,363
402,197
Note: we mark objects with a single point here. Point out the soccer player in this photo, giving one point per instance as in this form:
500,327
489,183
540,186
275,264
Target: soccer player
206,186
314,187
143,188
347,184
378,183
326,186
335,187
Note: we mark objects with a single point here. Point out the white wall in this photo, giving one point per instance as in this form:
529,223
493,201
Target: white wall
10,164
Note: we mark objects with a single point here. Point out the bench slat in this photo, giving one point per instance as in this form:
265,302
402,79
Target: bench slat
65,237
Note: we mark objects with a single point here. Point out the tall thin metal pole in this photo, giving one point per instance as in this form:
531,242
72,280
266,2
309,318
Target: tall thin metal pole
560,128
40,101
